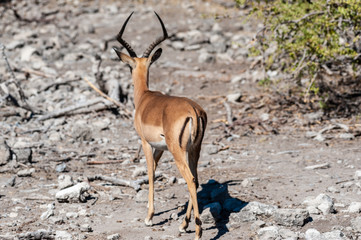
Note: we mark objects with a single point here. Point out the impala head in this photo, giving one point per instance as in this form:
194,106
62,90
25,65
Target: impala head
140,65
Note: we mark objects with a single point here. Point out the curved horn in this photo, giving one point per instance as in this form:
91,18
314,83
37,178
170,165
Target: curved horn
158,41
123,42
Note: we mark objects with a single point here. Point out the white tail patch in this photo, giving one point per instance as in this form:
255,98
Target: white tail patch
189,142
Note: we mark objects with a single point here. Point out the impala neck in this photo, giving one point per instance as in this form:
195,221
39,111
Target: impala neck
140,77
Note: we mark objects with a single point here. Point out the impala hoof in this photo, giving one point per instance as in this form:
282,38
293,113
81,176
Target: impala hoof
148,222
182,229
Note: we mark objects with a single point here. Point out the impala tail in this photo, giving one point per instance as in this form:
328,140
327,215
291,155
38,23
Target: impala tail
192,131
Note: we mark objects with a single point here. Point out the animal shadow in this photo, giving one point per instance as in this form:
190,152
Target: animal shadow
217,204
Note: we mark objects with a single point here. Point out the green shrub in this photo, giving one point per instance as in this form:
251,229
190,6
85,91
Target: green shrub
312,36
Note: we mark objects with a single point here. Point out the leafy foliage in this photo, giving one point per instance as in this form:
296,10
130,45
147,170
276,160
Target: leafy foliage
313,37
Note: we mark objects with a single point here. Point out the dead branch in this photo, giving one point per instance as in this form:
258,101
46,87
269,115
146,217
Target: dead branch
305,17
56,84
24,104
9,113
37,20
98,108
121,182
35,72
106,96
107,41
70,109
99,76
104,162
307,96
300,64
39,199
137,154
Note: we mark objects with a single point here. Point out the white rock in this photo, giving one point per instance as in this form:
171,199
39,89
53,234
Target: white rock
313,210
270,232
63,235
326,204
217,28
102,124
260,208
355,207
65,181
88,28
13,214
174,216
264,117
322,202
234,97
139,171
288,234
224,58
5,154
26,172
257,225
73,215
54,136
115,236
313,234
49,212
358,175
142,196
211,213
347,136
73,193
178,45
15,44
335,235
85,228
26,53
82,212
291,217
333,189
181,181
248,182
205,57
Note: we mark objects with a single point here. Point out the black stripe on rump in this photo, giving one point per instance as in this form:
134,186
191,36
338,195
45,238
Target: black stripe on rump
203,127
197,117
182,131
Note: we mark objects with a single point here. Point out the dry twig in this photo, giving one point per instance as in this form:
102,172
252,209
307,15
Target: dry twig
107,97
127,183
70,109
137,154
104,162
24,104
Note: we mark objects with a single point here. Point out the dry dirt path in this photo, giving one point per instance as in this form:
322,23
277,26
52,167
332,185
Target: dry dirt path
256,174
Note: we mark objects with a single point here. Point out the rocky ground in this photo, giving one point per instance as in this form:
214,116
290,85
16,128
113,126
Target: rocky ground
69,167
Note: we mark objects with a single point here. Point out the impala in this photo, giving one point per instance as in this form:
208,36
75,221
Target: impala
176,124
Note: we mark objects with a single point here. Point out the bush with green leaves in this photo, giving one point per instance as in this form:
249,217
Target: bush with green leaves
313,38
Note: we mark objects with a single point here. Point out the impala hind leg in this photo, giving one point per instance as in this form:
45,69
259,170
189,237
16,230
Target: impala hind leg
181,162
152,162
193,157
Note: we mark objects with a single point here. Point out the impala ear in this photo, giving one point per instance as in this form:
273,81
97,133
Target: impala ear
125,58
156,55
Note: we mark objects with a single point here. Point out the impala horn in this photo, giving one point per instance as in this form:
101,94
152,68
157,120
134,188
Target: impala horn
123,42
158,41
